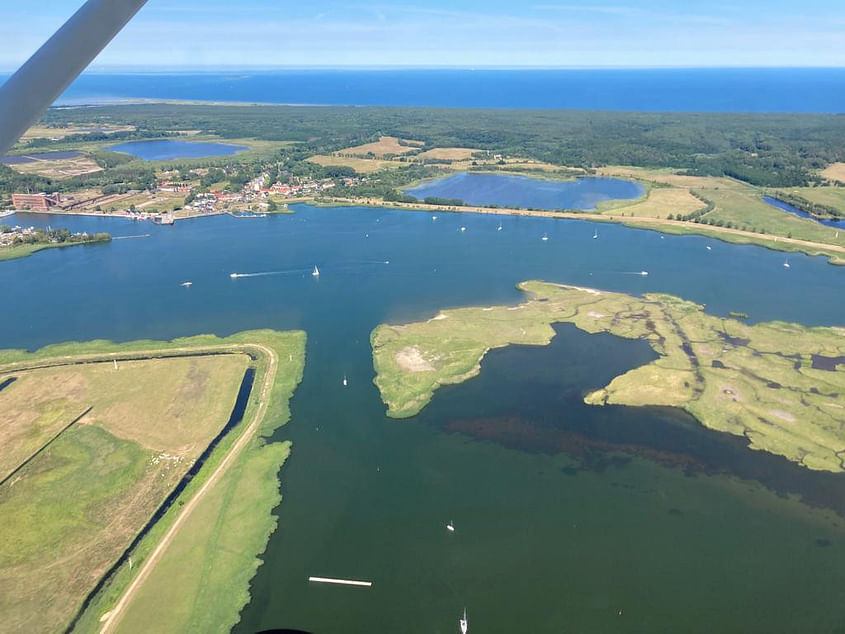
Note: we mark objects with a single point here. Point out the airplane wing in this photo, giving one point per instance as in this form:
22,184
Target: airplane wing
42,79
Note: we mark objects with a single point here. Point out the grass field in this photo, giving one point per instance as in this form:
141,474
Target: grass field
360,165
46,132
70,512
835,172
660,202
734,202
828,196
384,146
59,169
24,250
200,580
761,382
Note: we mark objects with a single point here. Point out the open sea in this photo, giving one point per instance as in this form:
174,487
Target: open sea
667,90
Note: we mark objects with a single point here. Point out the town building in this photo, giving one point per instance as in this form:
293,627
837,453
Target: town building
35,202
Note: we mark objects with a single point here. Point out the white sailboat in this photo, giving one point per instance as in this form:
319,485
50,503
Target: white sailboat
596,235
464,623
187,284
315,272
545,237
463,229
500,227
345,382
450,527
786,264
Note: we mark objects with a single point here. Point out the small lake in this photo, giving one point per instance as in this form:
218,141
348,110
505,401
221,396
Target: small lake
169,150
803,214
506,190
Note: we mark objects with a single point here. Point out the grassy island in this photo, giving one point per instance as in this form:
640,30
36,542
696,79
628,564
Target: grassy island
125,473
779,385
19,243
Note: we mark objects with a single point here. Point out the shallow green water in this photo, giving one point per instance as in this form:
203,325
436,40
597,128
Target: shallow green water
564,515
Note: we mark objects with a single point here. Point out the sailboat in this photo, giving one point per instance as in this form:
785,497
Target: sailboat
596,235
545,237
345,382
500,227
187,284
786,264
315,272
464,623
450,527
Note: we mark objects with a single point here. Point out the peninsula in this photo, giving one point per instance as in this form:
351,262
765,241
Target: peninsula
116,458
779,385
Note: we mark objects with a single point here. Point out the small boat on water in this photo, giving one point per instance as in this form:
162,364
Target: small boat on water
187,284
450,527
596,235
464,623
434,217
345,382
315,272
463,229
234,276
786,264
709,248
500,227
545,237
644,273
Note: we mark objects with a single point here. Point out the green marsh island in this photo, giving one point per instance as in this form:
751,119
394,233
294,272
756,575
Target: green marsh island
779,385
144,471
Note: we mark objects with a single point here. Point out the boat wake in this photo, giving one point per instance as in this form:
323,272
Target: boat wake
236,276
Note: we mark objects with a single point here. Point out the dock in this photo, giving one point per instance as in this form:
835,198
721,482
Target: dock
340,582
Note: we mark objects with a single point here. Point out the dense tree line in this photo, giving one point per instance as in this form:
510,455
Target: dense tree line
763,149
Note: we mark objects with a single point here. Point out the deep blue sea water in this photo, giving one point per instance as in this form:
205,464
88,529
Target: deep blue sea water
168,150
507,190
673,90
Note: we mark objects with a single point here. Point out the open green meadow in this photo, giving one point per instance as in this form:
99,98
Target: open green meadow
77,489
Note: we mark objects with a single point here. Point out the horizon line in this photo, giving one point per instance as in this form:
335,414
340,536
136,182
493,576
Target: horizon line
211,68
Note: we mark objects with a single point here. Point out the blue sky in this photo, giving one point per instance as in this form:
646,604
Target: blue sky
465,33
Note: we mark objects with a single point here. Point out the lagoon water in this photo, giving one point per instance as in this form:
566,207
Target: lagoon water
567,518
508,190
837,223
168,150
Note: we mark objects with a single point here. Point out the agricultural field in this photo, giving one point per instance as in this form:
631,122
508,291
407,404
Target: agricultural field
53,132
360,165
386,145
449,153
778,385
834,172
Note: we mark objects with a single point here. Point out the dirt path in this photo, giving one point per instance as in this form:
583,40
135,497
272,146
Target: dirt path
113,617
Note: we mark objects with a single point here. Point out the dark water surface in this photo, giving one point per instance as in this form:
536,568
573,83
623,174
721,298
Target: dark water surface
31,158
168,150
839,223
507,190
565,515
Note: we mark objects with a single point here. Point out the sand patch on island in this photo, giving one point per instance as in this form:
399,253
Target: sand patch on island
411,359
